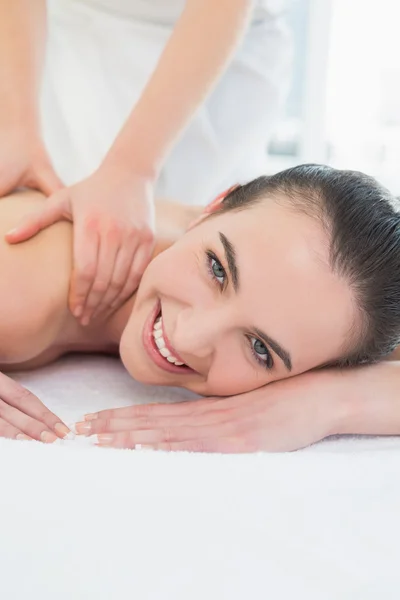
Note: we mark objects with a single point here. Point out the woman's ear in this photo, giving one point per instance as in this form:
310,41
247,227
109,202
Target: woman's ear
212,207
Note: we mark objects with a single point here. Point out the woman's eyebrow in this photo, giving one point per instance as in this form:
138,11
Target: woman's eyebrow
230,256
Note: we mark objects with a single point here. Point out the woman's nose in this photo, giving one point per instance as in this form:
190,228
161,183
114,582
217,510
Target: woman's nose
197,331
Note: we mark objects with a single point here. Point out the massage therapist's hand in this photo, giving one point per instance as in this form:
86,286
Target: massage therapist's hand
113,216
283,416
24,162
23,416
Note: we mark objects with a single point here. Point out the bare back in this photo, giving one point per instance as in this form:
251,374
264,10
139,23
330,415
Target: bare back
34,279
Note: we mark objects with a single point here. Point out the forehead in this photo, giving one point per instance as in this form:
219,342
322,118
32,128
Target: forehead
287,287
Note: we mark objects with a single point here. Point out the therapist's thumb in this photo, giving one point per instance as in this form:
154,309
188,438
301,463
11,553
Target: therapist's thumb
53,211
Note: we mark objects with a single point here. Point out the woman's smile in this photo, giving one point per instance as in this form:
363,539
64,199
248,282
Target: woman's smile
158,346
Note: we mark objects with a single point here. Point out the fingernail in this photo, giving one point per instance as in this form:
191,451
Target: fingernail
104,439
62,429
85,321
78,311
47,437
90,416
22,436
143,447
84,427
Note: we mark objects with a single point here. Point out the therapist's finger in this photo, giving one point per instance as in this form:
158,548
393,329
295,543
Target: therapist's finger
139,263
120,274
109,243
86,247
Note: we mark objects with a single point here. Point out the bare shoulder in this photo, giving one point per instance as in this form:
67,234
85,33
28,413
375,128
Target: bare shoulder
34,281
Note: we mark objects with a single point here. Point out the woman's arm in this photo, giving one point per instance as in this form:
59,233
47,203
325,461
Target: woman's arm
371,396
282,416
23,157
198,50
22,42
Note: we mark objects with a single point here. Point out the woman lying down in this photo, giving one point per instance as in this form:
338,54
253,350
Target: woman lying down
287,274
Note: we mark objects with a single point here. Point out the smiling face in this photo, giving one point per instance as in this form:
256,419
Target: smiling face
245,298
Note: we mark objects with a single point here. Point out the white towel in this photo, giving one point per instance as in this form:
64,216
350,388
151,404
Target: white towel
83,522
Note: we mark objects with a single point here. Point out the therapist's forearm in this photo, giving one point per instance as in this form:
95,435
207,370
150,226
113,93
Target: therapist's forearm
198,51
372,400
22,42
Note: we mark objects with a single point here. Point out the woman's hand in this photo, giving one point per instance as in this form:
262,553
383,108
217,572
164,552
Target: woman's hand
24,162
283,416
113,215
23,416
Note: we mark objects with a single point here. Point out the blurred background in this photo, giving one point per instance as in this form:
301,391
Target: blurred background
344,105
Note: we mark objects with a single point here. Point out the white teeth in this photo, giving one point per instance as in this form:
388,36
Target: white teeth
160,343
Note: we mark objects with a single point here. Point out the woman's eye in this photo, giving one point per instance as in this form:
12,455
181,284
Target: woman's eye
217,270
261,352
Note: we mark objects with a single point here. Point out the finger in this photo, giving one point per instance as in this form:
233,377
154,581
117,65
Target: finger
52,212
120,274
24,401
35,429
129,439
221,446
139,263
186,407
86,247
109,244
48,182
151,423
150,410
9,431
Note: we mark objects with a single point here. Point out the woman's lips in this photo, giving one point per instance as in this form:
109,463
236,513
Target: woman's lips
152,350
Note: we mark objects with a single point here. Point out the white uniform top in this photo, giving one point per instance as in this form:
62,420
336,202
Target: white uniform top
100,55
166,12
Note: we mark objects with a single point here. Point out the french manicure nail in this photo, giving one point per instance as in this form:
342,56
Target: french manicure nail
22,436
104,439
62,429
90,416
84,427
47,437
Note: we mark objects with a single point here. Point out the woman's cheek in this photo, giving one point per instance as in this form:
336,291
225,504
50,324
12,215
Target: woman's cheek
177,273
